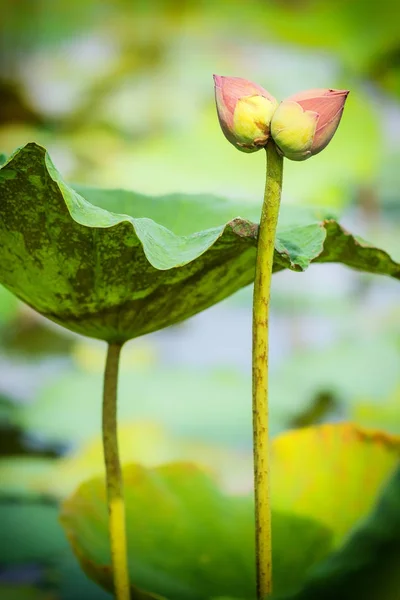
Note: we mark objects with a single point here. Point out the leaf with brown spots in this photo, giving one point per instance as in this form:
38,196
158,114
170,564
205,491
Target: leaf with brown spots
114,265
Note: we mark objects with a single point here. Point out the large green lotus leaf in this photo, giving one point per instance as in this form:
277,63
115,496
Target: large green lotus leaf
368,564
113,273
189,539
186,538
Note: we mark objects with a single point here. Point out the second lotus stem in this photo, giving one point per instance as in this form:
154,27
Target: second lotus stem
261,304
115,496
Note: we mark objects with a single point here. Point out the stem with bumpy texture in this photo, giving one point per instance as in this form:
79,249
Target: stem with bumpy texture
261,301
116,506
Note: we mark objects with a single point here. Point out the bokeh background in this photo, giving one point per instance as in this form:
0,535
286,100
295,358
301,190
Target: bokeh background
121,94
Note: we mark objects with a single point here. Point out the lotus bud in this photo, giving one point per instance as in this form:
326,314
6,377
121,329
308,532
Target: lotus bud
305,123
244,111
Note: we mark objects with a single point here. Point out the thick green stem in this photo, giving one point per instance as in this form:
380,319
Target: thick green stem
261,301
116,505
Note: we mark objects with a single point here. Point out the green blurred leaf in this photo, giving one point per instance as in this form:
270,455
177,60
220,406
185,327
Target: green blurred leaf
113,276
188,539
24,475
24,592
30,533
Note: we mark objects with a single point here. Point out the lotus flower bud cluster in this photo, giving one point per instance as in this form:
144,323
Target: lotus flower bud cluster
301,126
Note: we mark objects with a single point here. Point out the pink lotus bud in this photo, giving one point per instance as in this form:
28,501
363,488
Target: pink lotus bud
244,110
305,123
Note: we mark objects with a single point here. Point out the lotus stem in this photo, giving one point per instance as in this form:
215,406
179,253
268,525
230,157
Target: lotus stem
261,303
115,496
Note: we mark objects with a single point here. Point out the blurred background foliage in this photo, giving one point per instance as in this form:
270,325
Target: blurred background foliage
121,94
